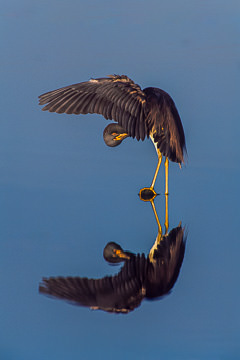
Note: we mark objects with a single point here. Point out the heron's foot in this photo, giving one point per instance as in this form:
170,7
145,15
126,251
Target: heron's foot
147,194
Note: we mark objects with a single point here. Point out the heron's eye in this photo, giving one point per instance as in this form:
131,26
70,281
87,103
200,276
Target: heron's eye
114,134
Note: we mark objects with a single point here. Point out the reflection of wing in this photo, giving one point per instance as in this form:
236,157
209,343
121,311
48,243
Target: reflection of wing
166,265
120,293
116,98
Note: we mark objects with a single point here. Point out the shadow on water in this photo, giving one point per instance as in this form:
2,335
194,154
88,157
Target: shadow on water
141,277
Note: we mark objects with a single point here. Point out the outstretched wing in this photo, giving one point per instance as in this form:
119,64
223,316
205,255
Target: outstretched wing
120,293
116,98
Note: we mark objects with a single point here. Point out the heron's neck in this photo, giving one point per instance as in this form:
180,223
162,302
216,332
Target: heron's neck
154,143
155,245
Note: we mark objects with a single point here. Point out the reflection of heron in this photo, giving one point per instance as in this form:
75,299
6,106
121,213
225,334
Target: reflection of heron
139,113
140,277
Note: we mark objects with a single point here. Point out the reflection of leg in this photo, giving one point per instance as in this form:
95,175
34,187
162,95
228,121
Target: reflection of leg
156,216
159,234
166,175
166,214
157,169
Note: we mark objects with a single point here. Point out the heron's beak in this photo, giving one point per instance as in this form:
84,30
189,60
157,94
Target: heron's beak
120,254
121,136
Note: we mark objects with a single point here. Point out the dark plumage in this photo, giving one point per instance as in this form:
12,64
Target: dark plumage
140,277
141,113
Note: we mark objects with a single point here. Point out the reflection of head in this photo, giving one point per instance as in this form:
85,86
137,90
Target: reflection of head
113,253
139,278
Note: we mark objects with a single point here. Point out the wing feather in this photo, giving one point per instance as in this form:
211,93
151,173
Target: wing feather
168,258
59,101
164,124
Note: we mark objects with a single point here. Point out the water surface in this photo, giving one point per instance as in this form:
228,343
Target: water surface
65,194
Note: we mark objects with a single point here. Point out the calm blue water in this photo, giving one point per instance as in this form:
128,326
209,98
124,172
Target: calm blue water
64,194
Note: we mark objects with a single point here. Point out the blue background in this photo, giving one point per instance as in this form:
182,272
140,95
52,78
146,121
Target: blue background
64,194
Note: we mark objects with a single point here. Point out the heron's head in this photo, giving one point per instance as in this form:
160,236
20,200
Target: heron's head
113,253
114,134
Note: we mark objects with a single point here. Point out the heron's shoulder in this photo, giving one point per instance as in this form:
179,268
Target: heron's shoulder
153,92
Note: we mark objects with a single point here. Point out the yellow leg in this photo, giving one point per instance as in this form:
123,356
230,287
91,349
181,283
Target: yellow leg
166,214
157,219
157,169
166,175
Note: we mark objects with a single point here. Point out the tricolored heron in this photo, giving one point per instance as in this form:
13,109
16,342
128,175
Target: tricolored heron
139,113
140,277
